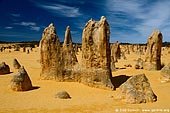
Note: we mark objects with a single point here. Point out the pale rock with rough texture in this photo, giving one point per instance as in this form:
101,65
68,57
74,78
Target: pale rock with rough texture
123,56
69,58
115,51
139,63
95,70
21,81
62,95
16,64
4,68
137,90
50,55
165,73
24,49
153,52
75,46
115,54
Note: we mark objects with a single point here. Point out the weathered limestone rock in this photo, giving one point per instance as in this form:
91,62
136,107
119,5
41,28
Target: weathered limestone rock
123,56
17,48
153,53
115,51
131,48
165,73
127,49
139,63
4,69
139,51
68,57
62,95
16,64
135,48
115,54
137,90
24,49
21,81
75,46
96,59
1,49
50,56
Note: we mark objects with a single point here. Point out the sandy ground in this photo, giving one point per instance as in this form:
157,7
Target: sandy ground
84,99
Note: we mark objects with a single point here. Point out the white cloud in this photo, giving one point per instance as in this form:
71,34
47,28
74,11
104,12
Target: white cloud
26,23
62,10
35,28
72,1
31,25
157,17
143,16
15,15
8,27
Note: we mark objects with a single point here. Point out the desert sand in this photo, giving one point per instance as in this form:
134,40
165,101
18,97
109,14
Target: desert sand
84,99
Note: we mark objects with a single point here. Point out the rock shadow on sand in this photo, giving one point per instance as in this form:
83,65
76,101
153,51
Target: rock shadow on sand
34,88
7,74
119,80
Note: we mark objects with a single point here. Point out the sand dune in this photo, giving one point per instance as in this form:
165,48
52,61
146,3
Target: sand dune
84,99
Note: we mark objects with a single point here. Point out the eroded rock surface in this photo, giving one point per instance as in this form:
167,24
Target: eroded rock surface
50,55
115,54
4,68
21,81
96,59
69,58
115,51
137,90
16,64
153,52
62,95
139,63
165,73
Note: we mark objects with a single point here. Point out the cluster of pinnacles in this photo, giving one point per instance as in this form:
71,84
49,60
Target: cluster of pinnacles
59,62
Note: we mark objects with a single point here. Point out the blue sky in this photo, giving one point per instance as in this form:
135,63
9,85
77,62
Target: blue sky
130,20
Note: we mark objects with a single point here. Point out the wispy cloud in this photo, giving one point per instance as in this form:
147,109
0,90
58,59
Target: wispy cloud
141,16
8,27
31,25
60,9
35,28
15,15
157,17
72,1
26,23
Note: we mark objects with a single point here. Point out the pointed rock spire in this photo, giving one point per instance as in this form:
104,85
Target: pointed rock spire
153,52
68,38
50,57
96,54
21,81
4,68
137,90
69,58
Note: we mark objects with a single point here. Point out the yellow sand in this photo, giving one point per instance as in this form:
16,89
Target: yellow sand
84,99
